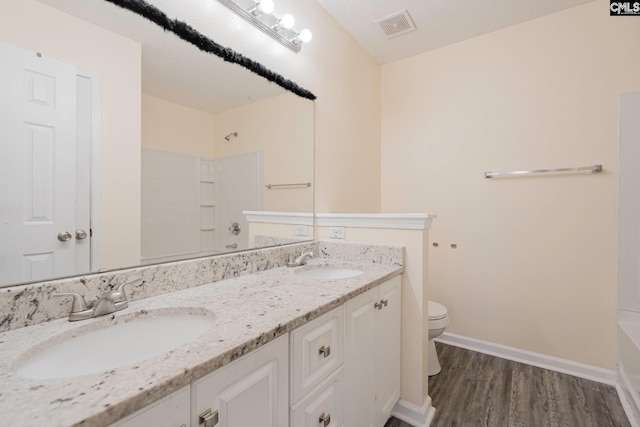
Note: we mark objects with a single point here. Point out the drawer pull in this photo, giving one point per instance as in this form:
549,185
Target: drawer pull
378,305
325,351
385,302
208,418
325,420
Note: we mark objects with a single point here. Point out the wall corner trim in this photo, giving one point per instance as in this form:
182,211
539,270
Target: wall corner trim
415,415
539,360
410,221
295,218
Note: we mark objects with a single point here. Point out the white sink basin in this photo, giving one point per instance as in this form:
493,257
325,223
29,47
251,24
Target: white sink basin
108,344
328,273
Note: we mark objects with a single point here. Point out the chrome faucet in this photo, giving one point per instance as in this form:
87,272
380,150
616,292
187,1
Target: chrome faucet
301,260
105,303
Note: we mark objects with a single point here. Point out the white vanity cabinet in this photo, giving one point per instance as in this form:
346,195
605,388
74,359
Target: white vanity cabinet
317,355
339,370
171,411
372,355
251,391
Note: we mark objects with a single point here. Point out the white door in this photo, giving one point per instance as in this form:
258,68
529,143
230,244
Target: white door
239,187
37,166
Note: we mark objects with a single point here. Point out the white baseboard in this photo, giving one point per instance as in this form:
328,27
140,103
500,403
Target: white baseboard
557,364
415,415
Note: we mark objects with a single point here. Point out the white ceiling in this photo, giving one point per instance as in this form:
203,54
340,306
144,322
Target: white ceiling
438,22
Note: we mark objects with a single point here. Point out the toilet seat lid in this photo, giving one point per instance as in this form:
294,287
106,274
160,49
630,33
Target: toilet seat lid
436,311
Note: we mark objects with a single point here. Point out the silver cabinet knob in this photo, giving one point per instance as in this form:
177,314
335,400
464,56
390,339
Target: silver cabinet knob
325,351
208,418
64,237
325,419
81,234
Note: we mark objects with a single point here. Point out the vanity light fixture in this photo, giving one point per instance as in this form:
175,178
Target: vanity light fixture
258,13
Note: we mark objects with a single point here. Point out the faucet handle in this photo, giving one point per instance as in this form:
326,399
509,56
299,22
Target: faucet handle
79,303
119,291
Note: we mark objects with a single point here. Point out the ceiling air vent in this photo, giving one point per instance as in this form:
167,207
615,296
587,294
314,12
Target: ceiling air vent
396,24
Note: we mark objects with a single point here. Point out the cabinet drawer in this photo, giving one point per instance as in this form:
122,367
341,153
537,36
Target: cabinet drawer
316,351
323,406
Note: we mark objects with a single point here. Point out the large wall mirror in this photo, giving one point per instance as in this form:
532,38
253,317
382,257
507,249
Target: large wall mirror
170,145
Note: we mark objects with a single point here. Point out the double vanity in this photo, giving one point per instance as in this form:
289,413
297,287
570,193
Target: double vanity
317,344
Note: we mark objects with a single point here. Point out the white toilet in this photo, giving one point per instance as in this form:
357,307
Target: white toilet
438,321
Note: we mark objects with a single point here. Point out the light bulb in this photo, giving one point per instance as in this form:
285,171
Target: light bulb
305,36
287,21
266,6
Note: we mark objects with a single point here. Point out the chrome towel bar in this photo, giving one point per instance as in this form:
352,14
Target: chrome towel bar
301,184
592,169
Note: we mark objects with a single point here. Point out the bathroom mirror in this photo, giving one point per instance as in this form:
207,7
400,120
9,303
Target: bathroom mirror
185,142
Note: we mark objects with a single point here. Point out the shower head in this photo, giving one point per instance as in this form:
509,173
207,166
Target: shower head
232,134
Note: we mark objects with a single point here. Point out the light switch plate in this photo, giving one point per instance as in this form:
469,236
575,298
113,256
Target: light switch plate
336,232
301,230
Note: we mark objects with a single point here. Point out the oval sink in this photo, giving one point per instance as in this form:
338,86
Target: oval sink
125,340
328,273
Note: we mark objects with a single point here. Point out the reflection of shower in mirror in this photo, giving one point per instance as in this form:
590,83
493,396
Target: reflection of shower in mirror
231,135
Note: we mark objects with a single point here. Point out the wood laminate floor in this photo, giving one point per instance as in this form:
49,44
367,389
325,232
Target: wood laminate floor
476,389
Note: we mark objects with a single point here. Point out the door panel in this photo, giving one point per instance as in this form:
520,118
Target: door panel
38,178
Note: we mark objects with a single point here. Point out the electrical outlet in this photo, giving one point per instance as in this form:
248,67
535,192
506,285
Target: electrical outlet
301,230
336,232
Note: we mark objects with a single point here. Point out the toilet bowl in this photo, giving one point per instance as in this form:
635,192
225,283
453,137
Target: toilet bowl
438,321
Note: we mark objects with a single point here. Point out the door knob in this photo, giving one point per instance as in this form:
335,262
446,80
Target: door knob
81,234
235,229
66,236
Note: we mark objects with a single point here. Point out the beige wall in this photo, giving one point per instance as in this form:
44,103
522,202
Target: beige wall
346,81
535,266
282,128
172,127
30,25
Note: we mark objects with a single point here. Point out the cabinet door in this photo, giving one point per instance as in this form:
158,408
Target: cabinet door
252,391
171,411
387,354
360,346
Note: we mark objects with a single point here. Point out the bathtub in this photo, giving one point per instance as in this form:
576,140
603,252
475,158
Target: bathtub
628,384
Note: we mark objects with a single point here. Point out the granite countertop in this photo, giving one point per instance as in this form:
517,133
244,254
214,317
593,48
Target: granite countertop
249,311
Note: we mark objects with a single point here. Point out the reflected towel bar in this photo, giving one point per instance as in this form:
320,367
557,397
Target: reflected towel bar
592,169
301,184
